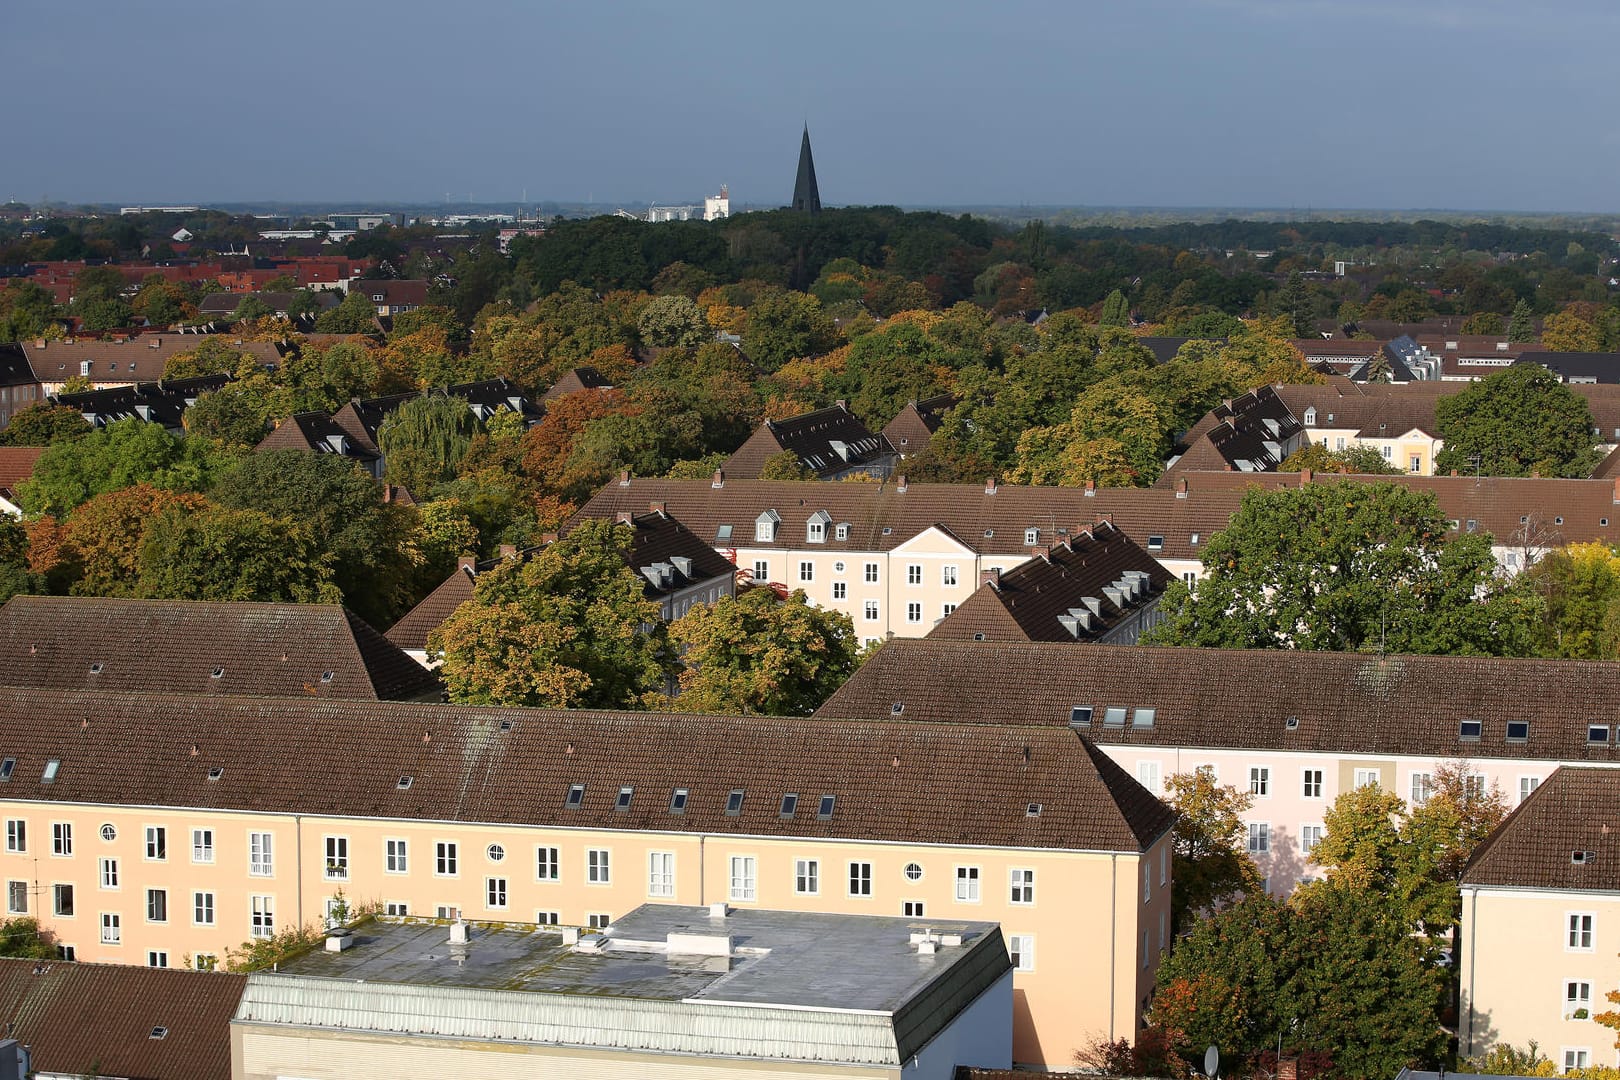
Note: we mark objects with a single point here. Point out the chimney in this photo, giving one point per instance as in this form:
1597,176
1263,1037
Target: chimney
624,517
1287,1068
900,482
656,508
1304,477
991,577
843,404
624,477
990,485
1091,489
469,563
508,551
1181,488
388,493
545,538
719,480
1535,474
1453,472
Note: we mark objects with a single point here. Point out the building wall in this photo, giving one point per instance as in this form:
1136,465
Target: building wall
1514,965
704,592
1089,910
14,399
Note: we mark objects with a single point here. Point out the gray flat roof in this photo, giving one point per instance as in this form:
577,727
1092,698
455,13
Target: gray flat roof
801,959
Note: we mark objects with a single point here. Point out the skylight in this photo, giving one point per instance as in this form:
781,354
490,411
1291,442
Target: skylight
1032,810
218,673
404,782
1469,730
897,708
216,772
159,1032
1155,543
326,676
576,795
623,801
1518,730
790,803
723,533
1114,716
824,811
52,767
95,668
7,767
677,801
1079,715
1143,717
734,801
1292,723
1597,733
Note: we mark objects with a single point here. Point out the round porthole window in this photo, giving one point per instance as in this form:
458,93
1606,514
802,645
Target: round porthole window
109,833
838,568
913,872
495,852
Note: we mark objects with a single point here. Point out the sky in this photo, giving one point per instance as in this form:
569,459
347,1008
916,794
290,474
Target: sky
1304,104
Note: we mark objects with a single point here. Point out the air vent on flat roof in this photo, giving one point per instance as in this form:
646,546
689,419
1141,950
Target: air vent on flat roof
1032,810
1518,730
677,801
216,772
824,811
734,802
1469,730
1581,858
1292,723
1597,733
576,795
1080,715
626,793
1114,716
790,803
405,782
7,767
52,767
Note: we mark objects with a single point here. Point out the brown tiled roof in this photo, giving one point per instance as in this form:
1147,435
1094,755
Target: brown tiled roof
811,436
412,630
1388,410
137,360
413,292
17,465
575,380
313,431
174,645
1574,810
1028,601
661,541
1336,348
1242,699
893,780
98,1019
915,424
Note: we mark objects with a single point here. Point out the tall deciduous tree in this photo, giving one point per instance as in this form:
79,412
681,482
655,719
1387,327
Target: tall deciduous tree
1515,421
756,653
570,627
118,455
43,424
1211,862
1349,565
424,440
785,326
223,554
104,537
1580,586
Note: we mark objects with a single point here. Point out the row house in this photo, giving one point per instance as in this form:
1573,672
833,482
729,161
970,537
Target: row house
167,829
1293,729
163,402
393,297
1541,924
19,387
122,362
830,443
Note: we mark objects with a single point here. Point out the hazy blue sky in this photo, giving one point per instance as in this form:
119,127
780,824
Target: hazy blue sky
1488,104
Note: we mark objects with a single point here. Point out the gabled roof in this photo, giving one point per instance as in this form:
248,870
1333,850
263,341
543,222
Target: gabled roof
363,417
138,360
394,292
576,379
915,424
174,645
1575,810
14,369
893,780
156,402
670,557
412,630
1577,367
1341,703
827,441
100,1019
316,432
1164,349
16,465
1249,433
1385,410
1077,590
226,303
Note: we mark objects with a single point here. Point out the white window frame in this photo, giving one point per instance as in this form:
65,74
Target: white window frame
1021,951
1021,886
807,570
967,884
396,855
744,883
1420,788
1260,781
108,873
661,874
869,573
871,611
762,570
17,835
1310,783
1147,774
446,858
914,611
1573,1003
337,858
547,858
948,576
1580,926
261,916
1527,786
261,854
1576,1057
112,928
806,877
157,843
202,847
62,839
840,590
495,893
859,879
203,910
56,899
598,866
914,573
1368,777
162,898
1259,838
12,892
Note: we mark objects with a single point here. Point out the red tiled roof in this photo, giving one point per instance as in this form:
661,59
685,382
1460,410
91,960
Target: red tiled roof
1574,810
17,465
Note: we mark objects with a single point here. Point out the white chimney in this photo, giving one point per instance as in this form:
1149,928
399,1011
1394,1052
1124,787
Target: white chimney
458,932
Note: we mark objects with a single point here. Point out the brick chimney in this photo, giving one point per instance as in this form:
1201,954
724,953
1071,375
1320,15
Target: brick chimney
656,508
719,480
624,477
1304,477
900,482
990,485
990,577
468,563
1287,1068
624,517
1091,489
509,551
1181,488
545,538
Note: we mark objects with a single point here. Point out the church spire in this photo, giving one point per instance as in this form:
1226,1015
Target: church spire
805,195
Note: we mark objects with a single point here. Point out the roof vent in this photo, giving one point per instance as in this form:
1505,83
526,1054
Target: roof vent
1032,810
338,940
218,673
1581,858
159,1032
216,772
458,933
95,669
897,708
405,783
1292,723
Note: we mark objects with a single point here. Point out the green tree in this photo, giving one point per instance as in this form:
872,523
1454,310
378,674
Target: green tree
223,554
15,573
756,653
211,357
44,424
239,413
116,456
1348,565
27,311
424,440
1484,322
1116,310
785,465
1212,864
1294,304
569,627
1515,421
1522,323
785,326
355,315
1352,459
673,322
250,308
1580,587
24,938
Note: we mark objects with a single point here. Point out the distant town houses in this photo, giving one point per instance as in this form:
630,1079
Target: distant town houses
830,443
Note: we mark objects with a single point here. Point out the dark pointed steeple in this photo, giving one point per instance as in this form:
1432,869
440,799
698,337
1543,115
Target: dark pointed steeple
805,195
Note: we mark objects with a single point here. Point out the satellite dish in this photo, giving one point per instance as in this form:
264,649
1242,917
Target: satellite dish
1212,1061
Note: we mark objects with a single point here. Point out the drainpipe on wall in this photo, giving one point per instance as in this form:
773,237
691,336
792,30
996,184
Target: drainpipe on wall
298,864
703,878
1113,938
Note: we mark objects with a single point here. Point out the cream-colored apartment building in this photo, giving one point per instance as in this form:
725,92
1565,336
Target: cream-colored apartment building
1541,924
169,830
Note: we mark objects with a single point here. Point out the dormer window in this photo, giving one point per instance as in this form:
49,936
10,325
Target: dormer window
765,527
1032,537
841,532
1310,416
815,530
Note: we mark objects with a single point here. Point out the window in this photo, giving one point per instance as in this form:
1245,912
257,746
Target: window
762,570
1470,730
495,893
661,873
396,908
337,858
1021,950
1079,715
262,922
871,573
1259,837
597,868
1577,1000
576,796
1528,784
913,871
546,864
1312,787
1577,1058
157,958
840,590
447,911
445,859
16,835
1023,886
1366,777
1147,881
1388,452
790,804
677,801
17,897
396,857
109,873
807,571
1142,717
1597,733
52,767
807,877
1309,837
967,884
913,574
598,921
204,961
911,909
202,908
947,576
62,838
1259,780
765,526
744,877
9,766
548,918
1415,463
815,531
1164,865
62,900
157,905
1155,543
1032,537
68,953
1114,716
1580,931
112,932
946,609
261,861
860,879
913,612
202,845
1147,774
157,843
1422,787
1518,731
734,802
871,611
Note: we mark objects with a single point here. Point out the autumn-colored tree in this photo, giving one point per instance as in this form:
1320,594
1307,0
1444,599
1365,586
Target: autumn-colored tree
1212,863
44,424
785,465
548,446
1577,328
211,357
1580,586
105,535
758,653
